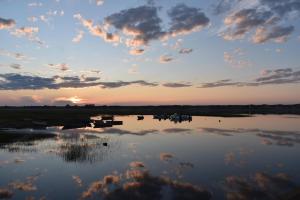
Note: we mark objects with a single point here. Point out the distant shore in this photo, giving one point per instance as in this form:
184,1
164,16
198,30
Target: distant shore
26,117
205,110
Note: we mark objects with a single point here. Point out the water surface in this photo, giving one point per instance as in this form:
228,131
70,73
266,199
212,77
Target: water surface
208,158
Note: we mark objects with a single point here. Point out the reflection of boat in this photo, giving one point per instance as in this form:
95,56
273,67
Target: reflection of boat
107,123
140,117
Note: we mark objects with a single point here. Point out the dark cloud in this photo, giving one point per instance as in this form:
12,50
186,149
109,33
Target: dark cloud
7,23
18,82
142,23
221,83
222,6
278,33
264,17
118,84
15,66
186,19
273,77
177,85
185,51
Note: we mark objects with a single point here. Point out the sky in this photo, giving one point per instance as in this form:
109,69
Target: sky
149,52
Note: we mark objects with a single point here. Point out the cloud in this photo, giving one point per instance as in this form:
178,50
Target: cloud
99,2
30,100
15,55
220,83
61,66
279,34
141,23
118,84
269,77
263,17
97,30
137,51
185,51
236,58
165,59
32,19
15,66
69,100
7,23
78,37
222,6
177,85
13,81
28,32
185,20
138,26
35,4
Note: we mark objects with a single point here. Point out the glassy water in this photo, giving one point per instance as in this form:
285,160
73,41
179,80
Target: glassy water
207,158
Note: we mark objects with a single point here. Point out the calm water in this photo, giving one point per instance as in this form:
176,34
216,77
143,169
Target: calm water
236,158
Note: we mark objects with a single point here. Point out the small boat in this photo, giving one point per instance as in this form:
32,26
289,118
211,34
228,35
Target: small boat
140,117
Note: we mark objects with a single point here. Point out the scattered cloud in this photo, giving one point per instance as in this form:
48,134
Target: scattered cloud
137,51
7,23
61,66
141,23
78,37
15,55
35,4
185,51
97,30
279,33
236,58
99,2
269,77
165,59
28,32
263,17
177,85
185,20
15,66
32,19
30,82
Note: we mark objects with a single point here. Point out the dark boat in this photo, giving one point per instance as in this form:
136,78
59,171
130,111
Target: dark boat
140,117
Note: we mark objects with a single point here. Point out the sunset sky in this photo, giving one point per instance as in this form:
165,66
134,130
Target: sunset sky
139,52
